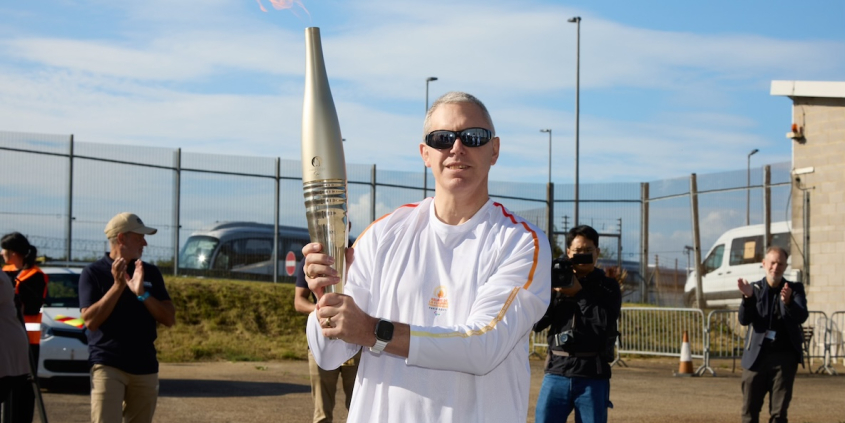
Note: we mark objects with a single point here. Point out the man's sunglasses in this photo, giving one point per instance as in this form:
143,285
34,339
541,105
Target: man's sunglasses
470,137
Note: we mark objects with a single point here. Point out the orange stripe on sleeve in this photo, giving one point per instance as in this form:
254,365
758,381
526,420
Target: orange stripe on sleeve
533,236
377,220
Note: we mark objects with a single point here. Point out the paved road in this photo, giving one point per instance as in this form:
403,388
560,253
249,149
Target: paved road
645,391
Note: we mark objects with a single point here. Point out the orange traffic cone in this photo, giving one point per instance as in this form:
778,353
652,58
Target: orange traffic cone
685,368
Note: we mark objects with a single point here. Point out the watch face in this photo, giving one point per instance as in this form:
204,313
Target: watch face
384,330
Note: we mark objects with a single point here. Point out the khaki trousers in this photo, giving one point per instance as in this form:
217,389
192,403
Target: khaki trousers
119,396
324,386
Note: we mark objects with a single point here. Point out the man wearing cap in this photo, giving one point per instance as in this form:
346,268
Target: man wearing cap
122,299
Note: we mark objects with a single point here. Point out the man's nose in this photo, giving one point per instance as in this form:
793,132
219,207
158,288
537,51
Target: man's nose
458,146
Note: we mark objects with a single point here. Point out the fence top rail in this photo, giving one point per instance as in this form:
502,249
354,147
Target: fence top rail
663,309
736,310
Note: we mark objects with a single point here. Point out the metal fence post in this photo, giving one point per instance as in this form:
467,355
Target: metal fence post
767,206
276,212
373,196
69,231
644,237
619,248
177,186
696,241
550,211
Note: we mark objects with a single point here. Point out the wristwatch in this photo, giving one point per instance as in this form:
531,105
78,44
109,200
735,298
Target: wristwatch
143,297
384,334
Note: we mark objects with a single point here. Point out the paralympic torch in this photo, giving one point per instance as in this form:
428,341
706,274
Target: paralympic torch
323,164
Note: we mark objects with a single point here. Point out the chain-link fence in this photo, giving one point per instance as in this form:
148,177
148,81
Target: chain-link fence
60,193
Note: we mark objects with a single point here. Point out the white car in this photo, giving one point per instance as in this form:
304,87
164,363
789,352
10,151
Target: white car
64,339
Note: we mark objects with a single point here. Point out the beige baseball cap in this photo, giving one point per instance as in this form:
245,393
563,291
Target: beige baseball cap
127,222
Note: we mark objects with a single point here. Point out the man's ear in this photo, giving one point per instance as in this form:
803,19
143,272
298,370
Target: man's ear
424,154
495,151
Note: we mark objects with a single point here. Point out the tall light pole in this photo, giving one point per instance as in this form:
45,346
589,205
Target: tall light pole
577,21
425,169
748,189
550,153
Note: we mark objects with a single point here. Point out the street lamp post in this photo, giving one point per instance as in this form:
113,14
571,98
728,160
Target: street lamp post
550,153
577,21
425,169
748,189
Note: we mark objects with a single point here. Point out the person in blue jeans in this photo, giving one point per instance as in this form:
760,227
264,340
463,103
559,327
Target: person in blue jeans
582,318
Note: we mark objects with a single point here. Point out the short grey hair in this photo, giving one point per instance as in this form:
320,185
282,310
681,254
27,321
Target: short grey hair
779,250
453,97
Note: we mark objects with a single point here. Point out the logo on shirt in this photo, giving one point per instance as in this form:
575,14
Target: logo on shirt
439,303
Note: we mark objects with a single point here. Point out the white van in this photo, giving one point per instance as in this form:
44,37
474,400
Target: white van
738,253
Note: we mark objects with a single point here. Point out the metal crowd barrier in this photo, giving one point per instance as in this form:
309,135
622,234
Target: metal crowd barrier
659,332
539,340
816,341
834,341
724,338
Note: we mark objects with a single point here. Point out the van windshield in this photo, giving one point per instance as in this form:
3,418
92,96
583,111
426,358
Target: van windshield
196,254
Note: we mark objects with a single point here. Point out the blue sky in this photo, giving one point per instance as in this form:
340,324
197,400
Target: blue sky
668,88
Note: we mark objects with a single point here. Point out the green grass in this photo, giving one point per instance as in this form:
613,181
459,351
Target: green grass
226,320
231,321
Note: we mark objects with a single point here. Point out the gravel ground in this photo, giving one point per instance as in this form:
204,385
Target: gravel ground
645,391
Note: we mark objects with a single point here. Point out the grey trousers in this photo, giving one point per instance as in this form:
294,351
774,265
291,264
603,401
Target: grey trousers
774,373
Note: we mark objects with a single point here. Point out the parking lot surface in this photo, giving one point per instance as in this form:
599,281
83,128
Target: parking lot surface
645,391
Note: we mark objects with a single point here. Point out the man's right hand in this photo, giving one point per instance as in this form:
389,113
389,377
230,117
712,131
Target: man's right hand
571,290
118,272
318,269
745,287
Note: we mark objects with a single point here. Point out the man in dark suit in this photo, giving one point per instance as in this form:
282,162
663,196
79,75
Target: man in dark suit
775,308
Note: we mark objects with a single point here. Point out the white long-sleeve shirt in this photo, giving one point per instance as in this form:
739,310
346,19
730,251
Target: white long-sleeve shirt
470,293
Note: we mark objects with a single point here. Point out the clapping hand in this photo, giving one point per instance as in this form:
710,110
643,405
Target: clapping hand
786,294
121,277
745,287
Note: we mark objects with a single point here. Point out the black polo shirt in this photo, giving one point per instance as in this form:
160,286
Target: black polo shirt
126,339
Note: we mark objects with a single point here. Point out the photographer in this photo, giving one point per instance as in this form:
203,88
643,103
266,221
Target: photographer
582,315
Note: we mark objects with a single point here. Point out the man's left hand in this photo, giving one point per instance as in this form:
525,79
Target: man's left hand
136,283
341,318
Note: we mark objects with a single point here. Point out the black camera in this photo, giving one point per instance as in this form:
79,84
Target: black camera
562,272
563,338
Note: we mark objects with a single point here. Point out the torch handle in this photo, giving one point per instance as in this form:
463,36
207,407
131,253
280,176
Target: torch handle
325,209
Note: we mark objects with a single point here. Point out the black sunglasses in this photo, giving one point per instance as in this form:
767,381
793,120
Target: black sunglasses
470,137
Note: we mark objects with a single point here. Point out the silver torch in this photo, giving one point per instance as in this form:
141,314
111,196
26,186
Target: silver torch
323,164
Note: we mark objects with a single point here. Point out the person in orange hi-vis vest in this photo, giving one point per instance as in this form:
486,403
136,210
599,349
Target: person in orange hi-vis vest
30,285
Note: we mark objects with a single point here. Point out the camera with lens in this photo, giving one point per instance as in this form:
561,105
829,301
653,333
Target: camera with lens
562,269
563,338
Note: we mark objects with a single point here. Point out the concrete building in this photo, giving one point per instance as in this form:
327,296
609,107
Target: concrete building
817,134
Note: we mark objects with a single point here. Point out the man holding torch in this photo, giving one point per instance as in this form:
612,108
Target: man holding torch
441,295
